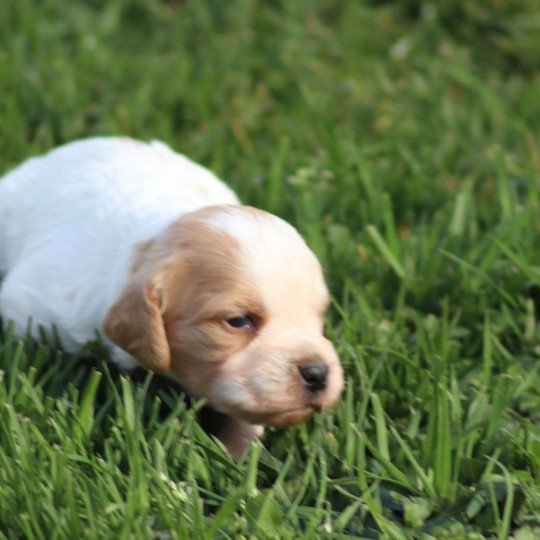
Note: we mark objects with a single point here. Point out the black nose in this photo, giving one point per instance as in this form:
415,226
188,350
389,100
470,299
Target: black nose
315,375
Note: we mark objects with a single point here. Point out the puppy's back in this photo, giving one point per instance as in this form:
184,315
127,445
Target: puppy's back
102,186
69,221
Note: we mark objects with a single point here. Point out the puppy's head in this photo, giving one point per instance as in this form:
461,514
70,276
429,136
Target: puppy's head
231,301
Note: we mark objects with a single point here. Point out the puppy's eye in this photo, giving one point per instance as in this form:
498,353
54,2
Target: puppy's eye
241,322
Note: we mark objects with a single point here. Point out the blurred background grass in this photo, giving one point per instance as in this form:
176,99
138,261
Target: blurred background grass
402,139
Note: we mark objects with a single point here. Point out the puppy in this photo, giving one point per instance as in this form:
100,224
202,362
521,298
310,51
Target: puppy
153,252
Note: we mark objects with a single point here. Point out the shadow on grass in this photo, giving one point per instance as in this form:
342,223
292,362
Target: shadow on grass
59,374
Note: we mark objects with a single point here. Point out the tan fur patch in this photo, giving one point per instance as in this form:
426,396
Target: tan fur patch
187,282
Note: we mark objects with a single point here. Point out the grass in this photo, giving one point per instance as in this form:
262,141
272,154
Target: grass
402,139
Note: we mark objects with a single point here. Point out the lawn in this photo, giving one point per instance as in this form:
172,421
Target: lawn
402,138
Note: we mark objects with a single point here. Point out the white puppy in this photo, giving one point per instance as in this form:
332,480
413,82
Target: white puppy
153,252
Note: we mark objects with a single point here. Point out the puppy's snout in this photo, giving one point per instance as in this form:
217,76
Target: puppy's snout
315,376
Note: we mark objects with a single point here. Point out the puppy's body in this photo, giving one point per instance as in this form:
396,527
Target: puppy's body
140,245
69,222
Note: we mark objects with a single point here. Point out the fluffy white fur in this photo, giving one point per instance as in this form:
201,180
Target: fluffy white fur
69,221
136,243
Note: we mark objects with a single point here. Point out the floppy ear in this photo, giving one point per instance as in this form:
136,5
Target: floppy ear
135,324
